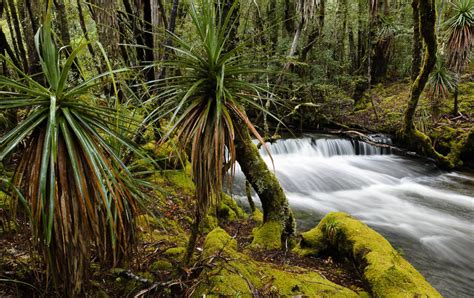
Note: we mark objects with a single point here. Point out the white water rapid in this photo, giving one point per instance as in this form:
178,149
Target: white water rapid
425,213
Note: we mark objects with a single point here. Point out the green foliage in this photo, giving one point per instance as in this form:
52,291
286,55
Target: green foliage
79,193
460,27
441,81
208,96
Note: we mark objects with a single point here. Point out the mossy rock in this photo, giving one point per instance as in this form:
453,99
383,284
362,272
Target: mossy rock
229,209
236,274
387,273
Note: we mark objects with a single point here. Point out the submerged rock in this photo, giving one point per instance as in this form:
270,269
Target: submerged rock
387,273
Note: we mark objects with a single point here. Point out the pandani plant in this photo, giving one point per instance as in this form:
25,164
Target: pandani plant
460,31
441,83
206,98
80,196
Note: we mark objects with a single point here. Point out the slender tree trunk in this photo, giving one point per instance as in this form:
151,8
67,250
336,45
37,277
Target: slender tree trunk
104,13
417,43
317,32
362,35
5,48
456,105
82,23
425,24
352,51
278,218
272,18
248,192
30,27
63,25
169,42
289,16
340,30
413,138
18,40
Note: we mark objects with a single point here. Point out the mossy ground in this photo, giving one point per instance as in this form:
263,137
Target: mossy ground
448,132
235,274
220,266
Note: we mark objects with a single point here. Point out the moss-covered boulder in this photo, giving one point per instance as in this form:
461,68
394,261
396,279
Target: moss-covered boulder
233,274
387,273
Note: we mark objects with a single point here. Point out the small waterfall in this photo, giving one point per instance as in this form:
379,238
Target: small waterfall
420,209
325,147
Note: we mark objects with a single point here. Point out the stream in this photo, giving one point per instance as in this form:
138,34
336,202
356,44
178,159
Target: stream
425,213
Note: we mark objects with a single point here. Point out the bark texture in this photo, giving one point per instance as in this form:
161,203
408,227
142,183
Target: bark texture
411,137
266,185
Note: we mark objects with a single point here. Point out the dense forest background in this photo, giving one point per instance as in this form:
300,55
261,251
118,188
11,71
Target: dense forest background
324,54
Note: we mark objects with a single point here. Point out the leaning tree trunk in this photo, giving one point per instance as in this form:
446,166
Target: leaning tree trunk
411,137
278,220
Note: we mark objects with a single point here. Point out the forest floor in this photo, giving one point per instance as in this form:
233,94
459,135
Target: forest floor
155,268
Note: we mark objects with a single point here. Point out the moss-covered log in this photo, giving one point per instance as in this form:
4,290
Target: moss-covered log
278,218
386,272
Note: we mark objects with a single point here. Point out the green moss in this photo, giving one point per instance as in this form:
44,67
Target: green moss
257,216
229,210
268,236
146,221
161,265
311,243
174,182
174,252
239,275
209,223
386,271
167,155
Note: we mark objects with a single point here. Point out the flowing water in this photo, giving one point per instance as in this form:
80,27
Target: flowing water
425,213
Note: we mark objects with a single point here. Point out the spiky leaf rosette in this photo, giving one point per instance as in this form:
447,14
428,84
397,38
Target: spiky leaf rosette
78,191
460,27
441,81
206,97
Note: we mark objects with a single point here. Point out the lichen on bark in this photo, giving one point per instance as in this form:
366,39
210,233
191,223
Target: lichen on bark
274,202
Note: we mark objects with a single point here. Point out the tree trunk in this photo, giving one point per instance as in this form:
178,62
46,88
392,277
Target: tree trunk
63,25
289,16
278,220
361,35
456,105
272,17
82,23
417,43
317,32
19,37
413,138
105,17
31,25
340,27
